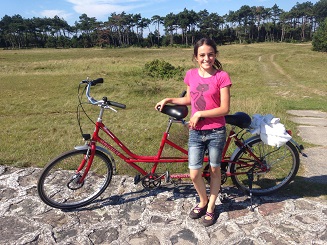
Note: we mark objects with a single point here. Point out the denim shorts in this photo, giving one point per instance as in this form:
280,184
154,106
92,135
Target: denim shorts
199,141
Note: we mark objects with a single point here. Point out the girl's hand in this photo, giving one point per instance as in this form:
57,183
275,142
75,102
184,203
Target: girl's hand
194,120
160,105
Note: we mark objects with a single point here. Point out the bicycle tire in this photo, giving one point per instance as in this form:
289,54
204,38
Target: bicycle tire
57,185
283,164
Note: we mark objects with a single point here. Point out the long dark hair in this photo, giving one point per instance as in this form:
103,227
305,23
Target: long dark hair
209,42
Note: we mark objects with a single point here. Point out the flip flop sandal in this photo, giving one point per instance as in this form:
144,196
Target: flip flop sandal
199,212
208,222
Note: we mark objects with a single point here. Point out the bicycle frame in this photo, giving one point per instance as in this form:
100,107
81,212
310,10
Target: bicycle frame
132,159
264,171
240,144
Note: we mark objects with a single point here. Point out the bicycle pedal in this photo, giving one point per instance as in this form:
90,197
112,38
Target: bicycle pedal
176,182
224,198
137,179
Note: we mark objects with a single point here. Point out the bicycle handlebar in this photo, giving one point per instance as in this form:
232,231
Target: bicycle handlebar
93,82
104,101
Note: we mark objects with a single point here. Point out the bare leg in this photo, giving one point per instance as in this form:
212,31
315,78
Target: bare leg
215,182
198,182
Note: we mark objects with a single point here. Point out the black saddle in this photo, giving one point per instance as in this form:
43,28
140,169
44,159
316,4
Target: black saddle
176,111
239,119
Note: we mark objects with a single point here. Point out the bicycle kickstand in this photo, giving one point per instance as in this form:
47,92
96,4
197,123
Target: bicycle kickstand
250,178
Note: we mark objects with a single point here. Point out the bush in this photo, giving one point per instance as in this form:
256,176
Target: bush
319,40
162,69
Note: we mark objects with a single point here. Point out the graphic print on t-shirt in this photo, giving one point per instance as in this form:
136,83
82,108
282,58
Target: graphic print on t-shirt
200,103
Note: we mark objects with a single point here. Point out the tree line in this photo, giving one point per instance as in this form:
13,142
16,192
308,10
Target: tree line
246,25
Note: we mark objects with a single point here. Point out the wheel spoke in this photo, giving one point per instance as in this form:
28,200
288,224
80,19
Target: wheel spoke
281,166
60,187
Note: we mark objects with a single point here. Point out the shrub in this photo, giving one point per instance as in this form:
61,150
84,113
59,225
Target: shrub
162,69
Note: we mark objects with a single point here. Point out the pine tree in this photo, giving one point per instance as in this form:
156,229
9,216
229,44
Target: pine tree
319,41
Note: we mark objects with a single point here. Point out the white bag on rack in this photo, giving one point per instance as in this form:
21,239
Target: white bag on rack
271,131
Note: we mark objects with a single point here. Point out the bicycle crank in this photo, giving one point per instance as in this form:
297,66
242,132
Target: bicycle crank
151,181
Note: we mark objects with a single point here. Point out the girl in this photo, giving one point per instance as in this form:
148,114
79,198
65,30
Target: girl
208,93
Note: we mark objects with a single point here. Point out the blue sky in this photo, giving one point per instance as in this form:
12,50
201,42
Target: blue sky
70,10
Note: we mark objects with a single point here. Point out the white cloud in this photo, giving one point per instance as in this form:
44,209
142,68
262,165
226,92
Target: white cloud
53,12
102,8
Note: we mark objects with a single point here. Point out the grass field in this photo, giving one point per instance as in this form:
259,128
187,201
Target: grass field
39,93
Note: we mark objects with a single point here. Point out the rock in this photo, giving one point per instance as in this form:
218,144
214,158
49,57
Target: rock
127,214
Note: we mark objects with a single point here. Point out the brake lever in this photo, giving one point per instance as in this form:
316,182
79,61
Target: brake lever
109,107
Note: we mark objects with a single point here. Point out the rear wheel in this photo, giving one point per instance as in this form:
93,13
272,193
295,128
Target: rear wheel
282,164
223,168
59,184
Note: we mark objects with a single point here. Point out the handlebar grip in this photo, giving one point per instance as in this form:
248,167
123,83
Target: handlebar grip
119,105
96,81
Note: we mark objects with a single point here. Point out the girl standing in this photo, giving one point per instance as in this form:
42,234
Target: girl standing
208,93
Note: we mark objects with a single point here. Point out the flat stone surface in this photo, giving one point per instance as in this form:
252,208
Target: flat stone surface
310,121
313,134
313,129
308,113
312,126
315,165
126,214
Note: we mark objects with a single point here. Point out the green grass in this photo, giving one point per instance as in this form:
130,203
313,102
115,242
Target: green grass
39,93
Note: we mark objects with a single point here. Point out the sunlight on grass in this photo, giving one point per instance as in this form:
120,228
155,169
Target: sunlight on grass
39,94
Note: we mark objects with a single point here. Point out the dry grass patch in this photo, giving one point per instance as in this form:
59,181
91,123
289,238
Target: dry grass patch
39,93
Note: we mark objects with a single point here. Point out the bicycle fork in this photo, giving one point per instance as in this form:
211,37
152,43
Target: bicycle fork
77,180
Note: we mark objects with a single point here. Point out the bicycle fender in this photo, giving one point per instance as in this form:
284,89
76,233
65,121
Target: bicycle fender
105,151
298,147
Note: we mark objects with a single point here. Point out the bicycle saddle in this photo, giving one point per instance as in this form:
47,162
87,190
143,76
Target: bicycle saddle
176,111
239,119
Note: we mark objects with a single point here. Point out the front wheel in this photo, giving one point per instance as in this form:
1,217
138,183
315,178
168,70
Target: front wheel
281,163
60,184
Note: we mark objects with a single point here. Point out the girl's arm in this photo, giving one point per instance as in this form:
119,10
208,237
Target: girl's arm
186,100
216,112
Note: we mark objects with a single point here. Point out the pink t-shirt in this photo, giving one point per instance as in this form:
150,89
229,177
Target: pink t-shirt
205,95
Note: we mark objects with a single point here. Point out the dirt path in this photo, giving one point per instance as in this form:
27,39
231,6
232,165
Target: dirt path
276,76
312,124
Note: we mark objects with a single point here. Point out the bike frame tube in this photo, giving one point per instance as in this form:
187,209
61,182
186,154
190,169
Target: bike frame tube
227,159
82,164
229,138
132,158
